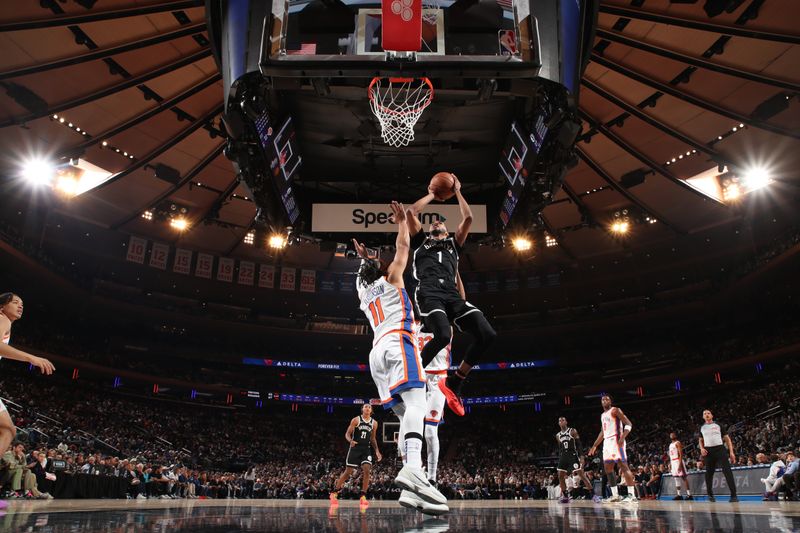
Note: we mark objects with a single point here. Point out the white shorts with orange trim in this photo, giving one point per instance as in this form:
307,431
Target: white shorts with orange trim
395,366
436,400
678,468
612,451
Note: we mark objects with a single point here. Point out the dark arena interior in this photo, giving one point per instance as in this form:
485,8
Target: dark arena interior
410,265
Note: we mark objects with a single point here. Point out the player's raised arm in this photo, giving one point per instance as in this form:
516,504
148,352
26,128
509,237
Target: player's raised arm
414,225
466,214
402,244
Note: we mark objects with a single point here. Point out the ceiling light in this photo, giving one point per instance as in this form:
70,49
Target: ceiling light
147,215
250,237
179,223
67,186
38,172
521,244
620,227
756,178
277,241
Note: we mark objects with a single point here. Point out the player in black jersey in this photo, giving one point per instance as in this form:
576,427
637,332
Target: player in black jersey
570,459
439,296
361,435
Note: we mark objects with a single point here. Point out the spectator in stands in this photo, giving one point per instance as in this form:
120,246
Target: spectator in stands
89,467
790,477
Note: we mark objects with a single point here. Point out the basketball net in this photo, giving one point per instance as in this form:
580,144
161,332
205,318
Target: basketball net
398,104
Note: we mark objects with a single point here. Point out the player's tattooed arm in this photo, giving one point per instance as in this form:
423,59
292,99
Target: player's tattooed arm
466,214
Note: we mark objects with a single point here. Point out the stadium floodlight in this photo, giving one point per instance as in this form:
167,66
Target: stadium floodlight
38,172
756,178
620,227
179,223
277,241
522,244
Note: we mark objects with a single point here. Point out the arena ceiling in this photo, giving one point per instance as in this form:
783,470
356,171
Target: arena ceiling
135,84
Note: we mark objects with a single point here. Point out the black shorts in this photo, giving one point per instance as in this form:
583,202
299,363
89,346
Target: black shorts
358,456
569,463
443,300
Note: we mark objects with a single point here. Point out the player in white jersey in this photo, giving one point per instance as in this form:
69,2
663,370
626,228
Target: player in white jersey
394,361
11,311
436,370
615,429
678,468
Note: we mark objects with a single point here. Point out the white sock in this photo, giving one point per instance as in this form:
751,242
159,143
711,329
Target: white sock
615,491
432,441
412,425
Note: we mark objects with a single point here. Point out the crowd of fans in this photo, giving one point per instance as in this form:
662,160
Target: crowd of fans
167,450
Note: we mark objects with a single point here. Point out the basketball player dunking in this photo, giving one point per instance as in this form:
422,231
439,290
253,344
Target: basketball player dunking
435,266
570,459
11,311
434,371
361,435
616,427
678,468
394,361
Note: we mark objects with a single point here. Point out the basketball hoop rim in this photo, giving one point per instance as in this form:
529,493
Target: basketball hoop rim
387,110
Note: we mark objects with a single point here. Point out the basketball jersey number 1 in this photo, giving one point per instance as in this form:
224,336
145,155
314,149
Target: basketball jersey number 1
377,312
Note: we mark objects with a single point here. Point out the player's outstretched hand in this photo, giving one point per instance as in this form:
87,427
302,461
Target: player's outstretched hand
43,364
378,456
398,212
592,450
361,250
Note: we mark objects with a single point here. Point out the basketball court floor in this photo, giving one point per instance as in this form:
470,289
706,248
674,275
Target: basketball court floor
318,516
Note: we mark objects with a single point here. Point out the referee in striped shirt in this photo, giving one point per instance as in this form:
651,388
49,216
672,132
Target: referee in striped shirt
712,437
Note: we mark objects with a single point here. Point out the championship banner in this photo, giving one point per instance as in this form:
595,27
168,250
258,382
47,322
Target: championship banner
747,478
374,218
205,263
136,248
182,264
158,255
327,281
347,283
247,272
225,269
266,276
308,280
287,278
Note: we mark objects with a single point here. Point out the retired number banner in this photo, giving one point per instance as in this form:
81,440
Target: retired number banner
287,279
266,276
183,261
225,269
205,262
247,270
136,248
158,255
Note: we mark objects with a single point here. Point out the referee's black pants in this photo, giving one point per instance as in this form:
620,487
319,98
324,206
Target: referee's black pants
718,456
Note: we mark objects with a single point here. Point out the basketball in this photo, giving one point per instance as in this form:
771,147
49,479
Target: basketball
442,186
